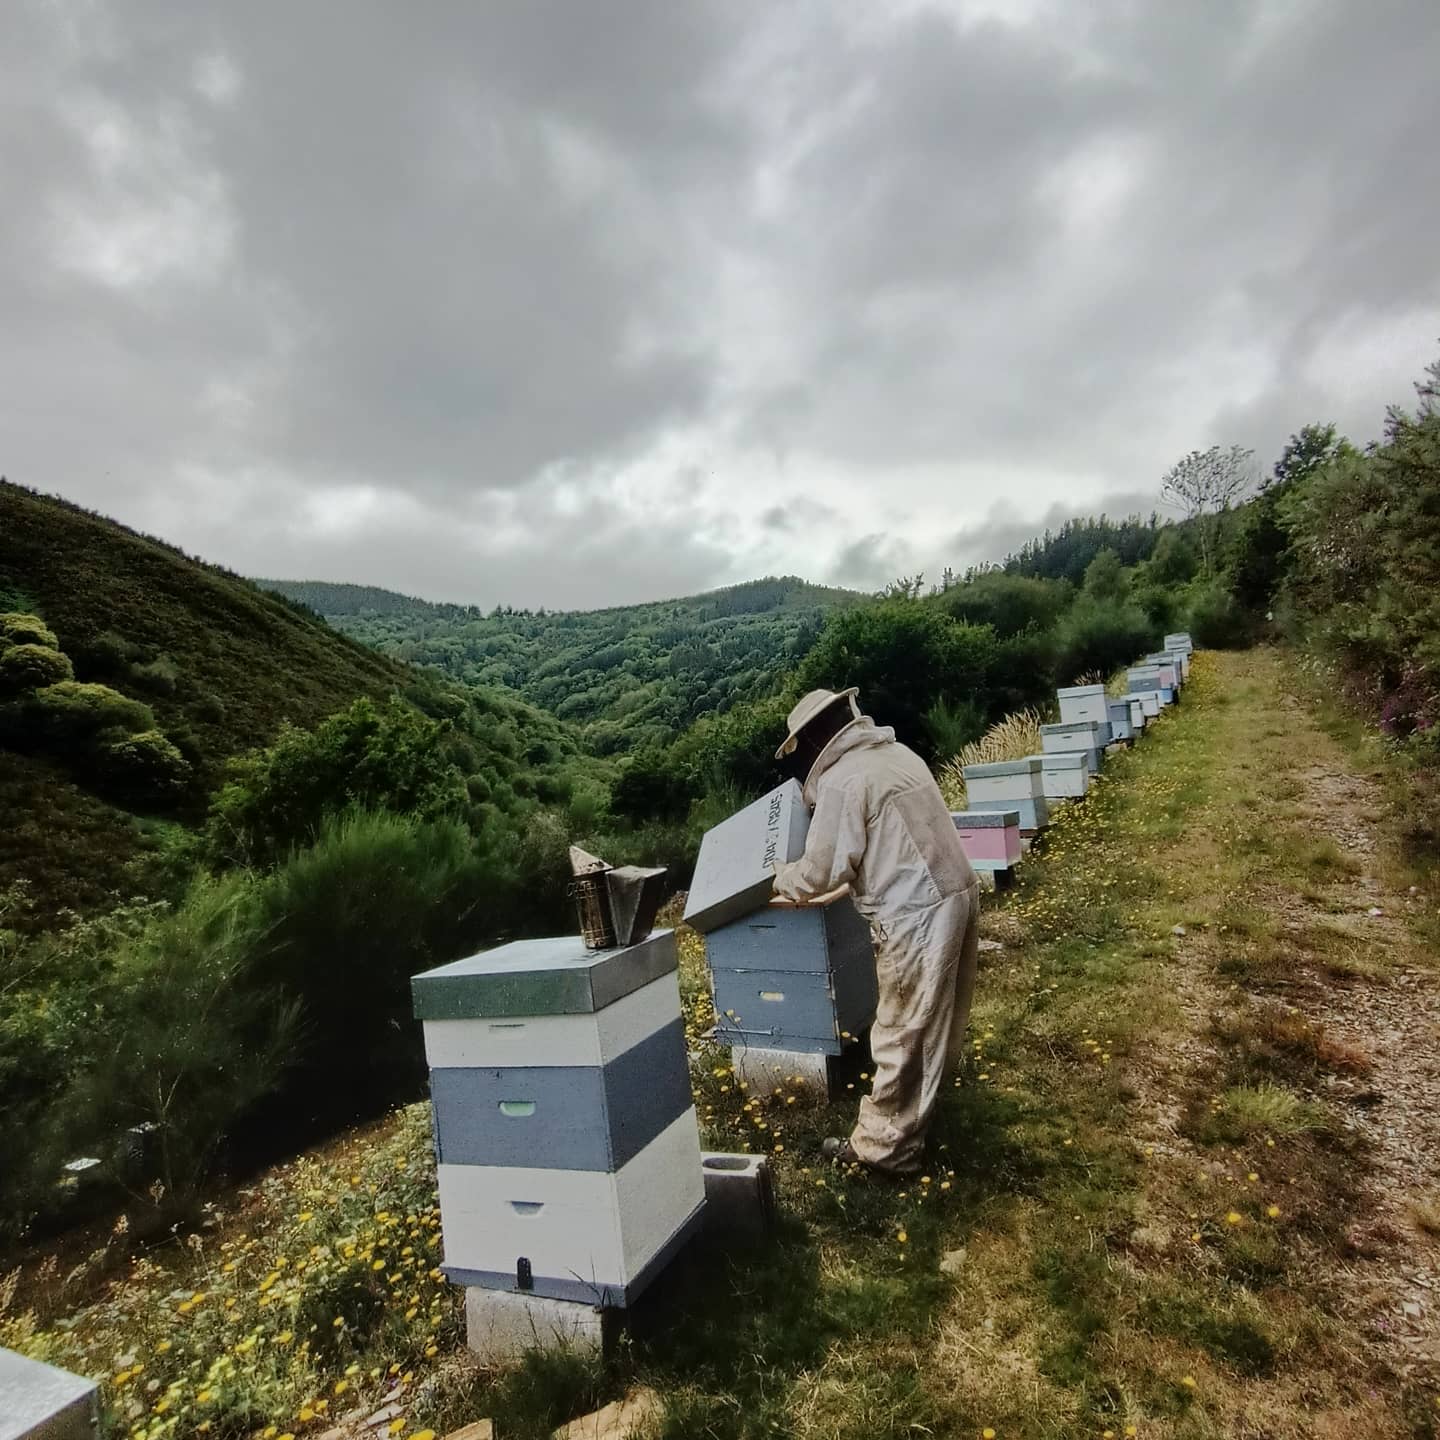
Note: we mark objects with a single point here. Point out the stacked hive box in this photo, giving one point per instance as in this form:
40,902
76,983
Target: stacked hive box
991,838
1010,785
1083,702
1143,679
565,1131
1171,664
1065,775
795,980
1089,737
1122,721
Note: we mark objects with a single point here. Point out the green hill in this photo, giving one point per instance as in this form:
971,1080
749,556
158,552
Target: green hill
221,664
630,676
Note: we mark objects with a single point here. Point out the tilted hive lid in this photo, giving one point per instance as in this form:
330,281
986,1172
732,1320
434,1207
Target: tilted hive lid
985,819
1029,765
1071,727
1068,760
557,976
734,873
1075,692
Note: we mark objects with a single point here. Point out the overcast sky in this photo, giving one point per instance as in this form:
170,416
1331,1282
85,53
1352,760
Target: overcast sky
581,303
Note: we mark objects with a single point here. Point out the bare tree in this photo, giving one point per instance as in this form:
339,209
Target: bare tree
1206,483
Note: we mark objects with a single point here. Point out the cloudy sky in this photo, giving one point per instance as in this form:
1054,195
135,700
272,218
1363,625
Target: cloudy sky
569,303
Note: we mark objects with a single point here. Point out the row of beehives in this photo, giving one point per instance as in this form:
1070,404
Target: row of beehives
1013,798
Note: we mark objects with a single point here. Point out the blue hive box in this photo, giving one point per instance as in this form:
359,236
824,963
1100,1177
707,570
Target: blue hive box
565,1130
796,979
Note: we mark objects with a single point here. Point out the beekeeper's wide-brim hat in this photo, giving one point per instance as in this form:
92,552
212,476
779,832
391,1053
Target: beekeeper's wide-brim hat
808,708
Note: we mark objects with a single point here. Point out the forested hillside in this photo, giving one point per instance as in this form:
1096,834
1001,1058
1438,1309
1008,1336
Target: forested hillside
629,676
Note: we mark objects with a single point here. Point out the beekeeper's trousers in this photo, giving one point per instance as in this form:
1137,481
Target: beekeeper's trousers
925,967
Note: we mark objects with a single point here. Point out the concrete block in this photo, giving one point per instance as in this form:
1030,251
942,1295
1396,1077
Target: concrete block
739,1196
41,1402
990,838
765,1068
501,1326
1082,702
556,976
734,871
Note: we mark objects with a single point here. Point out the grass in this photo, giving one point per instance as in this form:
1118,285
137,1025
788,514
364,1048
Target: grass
1140,1158
1012,738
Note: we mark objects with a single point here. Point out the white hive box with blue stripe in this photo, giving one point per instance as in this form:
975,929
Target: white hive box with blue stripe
800,980
1017,785
565,1131
1087,736
1122,719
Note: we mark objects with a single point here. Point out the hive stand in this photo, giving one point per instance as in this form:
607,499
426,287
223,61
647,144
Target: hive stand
1010,785
40,1402
565,1131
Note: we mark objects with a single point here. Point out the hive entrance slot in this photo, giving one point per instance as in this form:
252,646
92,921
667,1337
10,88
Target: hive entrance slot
517,1109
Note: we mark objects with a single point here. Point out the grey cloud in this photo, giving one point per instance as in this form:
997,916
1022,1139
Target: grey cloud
450,254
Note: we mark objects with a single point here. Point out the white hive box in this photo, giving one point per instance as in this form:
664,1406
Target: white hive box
1083,702
39,1402
734,873
1137,712
1150,703
565,1130
1009,785
797,979
1088,735
1179,640
1066,776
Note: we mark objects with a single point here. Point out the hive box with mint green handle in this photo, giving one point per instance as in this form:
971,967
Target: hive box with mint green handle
565,1129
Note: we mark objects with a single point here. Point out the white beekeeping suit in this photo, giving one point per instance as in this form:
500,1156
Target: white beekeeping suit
881,826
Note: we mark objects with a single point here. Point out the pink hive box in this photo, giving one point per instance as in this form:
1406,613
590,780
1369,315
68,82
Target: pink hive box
991,838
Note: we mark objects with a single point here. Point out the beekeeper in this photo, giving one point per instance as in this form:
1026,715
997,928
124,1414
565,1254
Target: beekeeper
880,826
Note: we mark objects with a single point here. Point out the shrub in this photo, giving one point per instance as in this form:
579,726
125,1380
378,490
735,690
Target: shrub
1009,604
145,766
69,711
1218,621
375,759
1100,636
20,629
32,667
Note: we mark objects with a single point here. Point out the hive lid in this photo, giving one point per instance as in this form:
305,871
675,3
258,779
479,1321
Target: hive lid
1072,692
734,873
1068,760
985,819
1029,765
1070,727
32,1394
540,977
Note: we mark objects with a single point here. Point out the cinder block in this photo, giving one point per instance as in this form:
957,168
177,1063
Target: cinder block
41,1402
501,1326
739,1196
765,1069
734,871
990,838
1082,702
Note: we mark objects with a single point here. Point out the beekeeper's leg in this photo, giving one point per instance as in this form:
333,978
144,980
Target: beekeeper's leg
926,975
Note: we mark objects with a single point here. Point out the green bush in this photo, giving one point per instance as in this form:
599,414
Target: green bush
145,766
32,667
70,712
1218,621
390,758
1009,604
20,629
1097,637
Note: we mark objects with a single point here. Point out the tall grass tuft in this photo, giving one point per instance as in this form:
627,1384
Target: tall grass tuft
1012,738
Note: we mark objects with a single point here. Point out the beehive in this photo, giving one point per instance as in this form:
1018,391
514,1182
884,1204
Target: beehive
1082,702
991,838
1150,703
735,868
565,1130
1009,785
1144,678
1087,738
1138,718
1122,726
1171,667
1066,775
1179,640
40,1402
797,979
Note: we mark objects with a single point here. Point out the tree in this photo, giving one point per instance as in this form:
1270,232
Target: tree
1206,483
1105,578
1306,451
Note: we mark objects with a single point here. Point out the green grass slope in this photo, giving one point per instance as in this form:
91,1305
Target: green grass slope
630,676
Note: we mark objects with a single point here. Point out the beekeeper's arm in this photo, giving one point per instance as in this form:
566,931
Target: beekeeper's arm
834,847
